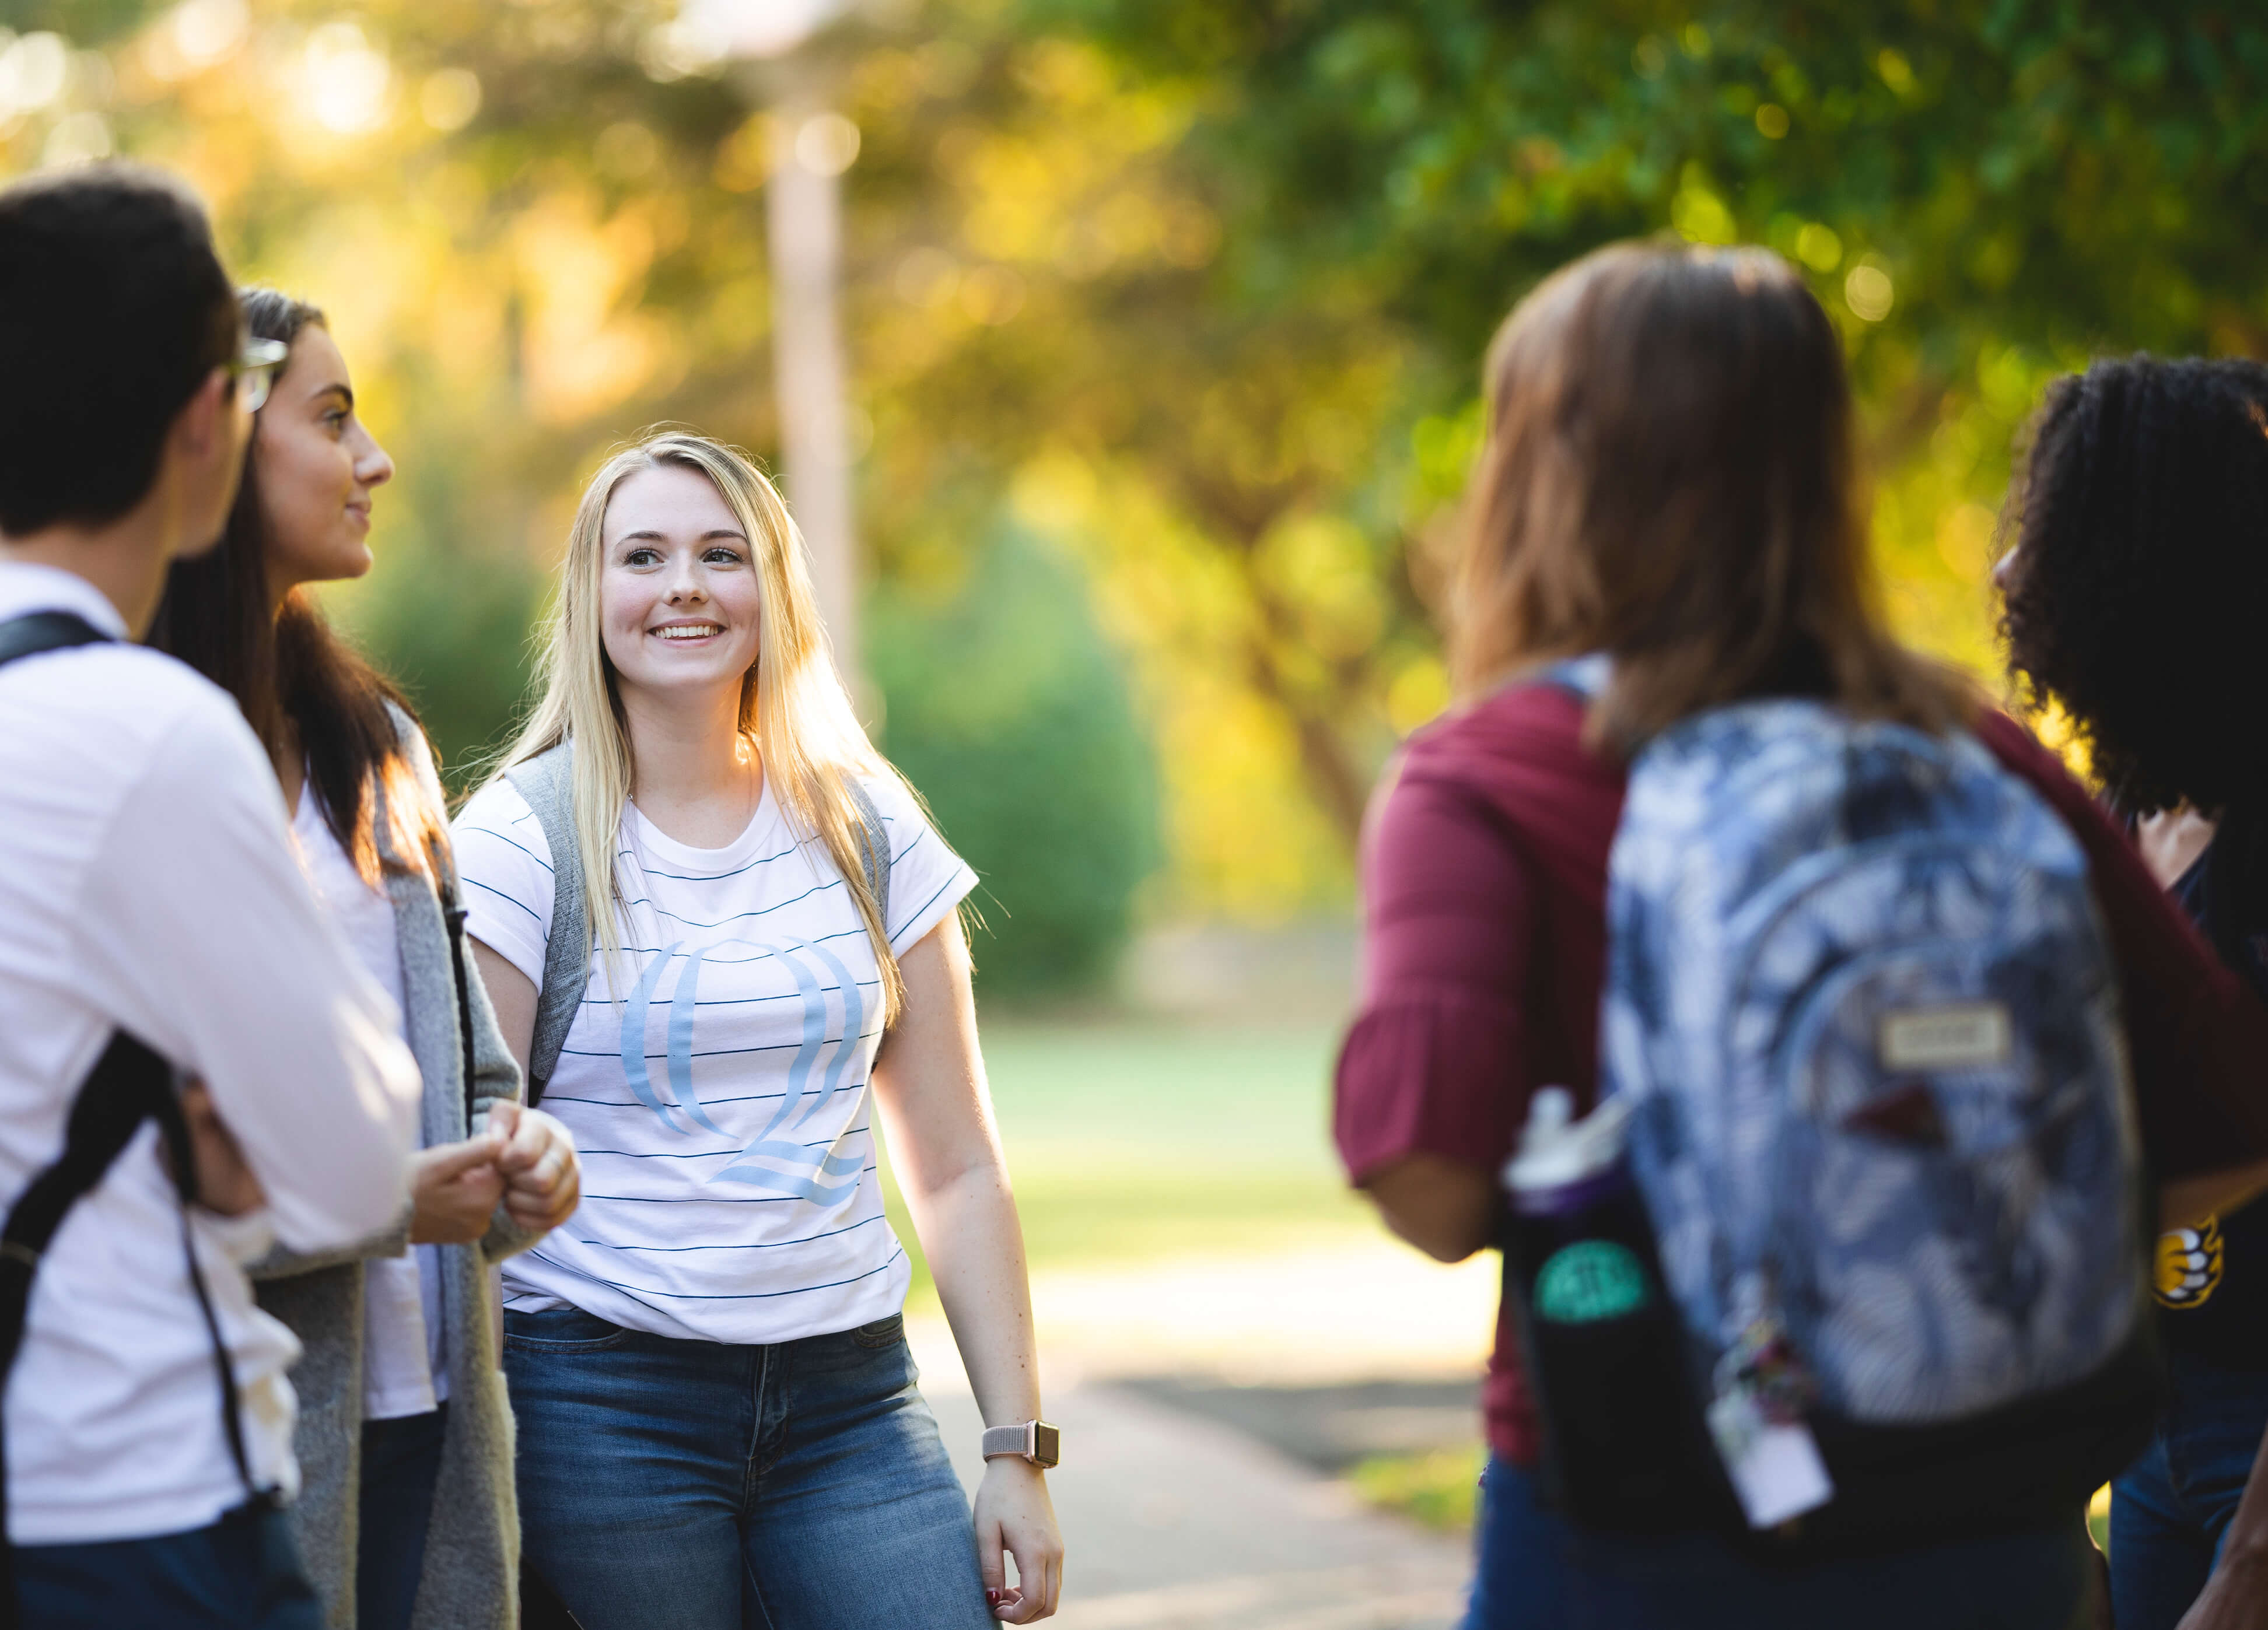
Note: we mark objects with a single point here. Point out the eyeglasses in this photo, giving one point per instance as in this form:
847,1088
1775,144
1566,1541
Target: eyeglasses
254,369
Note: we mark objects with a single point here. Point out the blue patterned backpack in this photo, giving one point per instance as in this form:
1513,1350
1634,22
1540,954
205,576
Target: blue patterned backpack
1867,1019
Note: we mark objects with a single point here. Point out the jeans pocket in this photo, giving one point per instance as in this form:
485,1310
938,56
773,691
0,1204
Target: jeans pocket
882,1333
561,1329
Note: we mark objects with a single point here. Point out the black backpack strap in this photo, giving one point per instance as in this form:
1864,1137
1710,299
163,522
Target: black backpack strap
119,1094
46,631
450,892
128,1085
181,1157
454,913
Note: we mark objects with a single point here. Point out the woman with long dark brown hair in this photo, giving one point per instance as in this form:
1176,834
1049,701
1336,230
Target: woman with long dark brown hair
403,1429
1669,484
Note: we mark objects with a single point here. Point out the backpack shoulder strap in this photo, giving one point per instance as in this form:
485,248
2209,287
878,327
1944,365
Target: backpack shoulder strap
128,1085
1584,678
873,846
548,782
46,631
119,1094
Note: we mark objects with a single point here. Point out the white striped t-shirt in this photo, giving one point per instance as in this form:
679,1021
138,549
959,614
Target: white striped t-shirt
724,1121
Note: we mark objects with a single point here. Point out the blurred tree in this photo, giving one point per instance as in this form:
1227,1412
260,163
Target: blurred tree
1983,193
1012,715
1199,291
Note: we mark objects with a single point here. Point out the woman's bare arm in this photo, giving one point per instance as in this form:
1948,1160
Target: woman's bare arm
1445,1208
929,1085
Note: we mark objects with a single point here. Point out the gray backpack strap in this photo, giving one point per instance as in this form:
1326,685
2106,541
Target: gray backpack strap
874,851
548,782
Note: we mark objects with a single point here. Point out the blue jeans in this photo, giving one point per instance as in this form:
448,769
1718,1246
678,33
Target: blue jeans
2170,1509
672,1485
1520,1554
242,1573
1536,1571
400,1463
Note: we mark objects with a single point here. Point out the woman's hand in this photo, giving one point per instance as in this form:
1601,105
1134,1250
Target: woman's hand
226,1184
544,1181
453,1189
1015,1515
2235,1598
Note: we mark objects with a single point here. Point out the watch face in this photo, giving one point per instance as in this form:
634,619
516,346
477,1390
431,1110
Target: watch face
1047,1443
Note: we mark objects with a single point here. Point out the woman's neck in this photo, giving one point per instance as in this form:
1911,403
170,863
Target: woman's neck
2171,840
693,775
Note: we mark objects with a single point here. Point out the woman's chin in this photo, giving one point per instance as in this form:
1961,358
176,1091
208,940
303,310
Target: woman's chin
344,564
673,685
335,565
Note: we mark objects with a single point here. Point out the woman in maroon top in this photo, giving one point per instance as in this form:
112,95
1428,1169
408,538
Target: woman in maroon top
1669,478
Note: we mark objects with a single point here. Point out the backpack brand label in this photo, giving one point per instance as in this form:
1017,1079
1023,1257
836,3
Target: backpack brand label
1969,1035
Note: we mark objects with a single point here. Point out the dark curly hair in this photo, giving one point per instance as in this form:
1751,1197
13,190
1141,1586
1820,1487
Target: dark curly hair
2136,591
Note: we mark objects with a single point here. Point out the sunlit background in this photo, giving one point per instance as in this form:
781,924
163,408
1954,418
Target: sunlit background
1159,323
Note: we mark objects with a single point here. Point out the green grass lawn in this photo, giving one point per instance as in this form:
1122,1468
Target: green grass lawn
1439,1488
1132,1140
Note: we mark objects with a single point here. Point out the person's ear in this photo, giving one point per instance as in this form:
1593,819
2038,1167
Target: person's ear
207,421
204,457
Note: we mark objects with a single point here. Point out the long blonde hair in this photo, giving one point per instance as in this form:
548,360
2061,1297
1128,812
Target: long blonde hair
793,707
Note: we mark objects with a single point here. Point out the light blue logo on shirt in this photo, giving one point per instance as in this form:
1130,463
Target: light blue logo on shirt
756,1165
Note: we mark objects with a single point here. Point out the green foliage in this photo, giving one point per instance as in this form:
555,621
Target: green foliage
452,633
1197,291
1985,192
1010,714
2044,173
1438,1488
447,618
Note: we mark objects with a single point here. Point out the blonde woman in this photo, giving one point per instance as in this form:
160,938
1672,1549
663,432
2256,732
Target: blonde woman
718,1425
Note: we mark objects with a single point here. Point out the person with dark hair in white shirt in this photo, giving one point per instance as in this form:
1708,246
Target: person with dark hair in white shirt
154,929
400,1381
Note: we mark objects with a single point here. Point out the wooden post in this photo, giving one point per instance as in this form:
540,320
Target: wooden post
803,218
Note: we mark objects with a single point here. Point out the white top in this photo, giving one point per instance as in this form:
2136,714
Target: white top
146,881
403,1371
729,1079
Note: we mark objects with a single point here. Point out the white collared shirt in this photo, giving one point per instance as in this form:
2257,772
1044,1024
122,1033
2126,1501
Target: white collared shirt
146,883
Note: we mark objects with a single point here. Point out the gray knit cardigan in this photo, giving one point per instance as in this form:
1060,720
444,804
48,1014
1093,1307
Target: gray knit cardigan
472,1549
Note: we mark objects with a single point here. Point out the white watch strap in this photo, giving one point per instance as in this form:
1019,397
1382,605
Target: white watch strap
1008,1439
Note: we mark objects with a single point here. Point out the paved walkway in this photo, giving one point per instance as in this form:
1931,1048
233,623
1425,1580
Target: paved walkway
1173,1520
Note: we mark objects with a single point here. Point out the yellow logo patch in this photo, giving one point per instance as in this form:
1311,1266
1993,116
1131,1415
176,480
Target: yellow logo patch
2189,1265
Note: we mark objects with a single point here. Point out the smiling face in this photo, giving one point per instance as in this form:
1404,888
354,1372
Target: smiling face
679,602
317,468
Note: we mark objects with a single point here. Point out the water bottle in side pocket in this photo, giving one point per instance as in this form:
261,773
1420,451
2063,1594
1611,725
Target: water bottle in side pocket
1605,1346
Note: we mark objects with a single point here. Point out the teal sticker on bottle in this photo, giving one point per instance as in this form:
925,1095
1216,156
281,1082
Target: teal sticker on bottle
1590,1280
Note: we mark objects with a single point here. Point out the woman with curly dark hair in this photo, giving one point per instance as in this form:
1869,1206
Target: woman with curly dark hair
2137,590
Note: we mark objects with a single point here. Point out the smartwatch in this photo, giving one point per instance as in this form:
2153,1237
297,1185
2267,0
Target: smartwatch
1034,1441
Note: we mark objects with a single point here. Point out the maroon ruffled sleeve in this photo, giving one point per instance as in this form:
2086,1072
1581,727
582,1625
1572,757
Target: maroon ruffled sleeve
1433,1064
